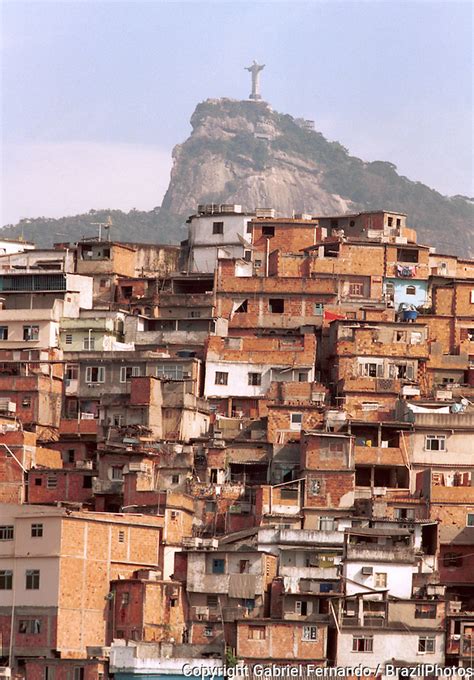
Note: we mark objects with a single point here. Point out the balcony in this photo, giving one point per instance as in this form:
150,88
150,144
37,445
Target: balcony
79,426
322,573
107,486
380,553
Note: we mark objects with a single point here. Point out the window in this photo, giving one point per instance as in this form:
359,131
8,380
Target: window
87,482
327,524
404,513
380,579
29,626
121,536
78,672
399,222
38,481
125,598
127,292
314,487
88,343
242,308
410,290
30,333
128,372
362,643
248,255
51,482
170,372
255,379
276,305
212,601
174,479
26,402
390,221
221,378
296,420
470,519
318,308
117,473
3,332
6,579
425,611
95,374
452,559
244,566
208,631
356,289
371,370
6,533
218,227
268,231
32,579
36,530
104,283
256,632
407,255
435,442
218,566
287,493
310,634
195,313
71,372
303,376
107,253
301,608
426,645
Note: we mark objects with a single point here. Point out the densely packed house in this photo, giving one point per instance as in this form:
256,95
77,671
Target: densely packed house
256,447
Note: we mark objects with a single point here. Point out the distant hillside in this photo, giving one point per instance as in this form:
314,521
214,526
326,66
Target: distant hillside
135,225
243,152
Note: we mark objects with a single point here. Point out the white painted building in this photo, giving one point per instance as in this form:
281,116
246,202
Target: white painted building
242,379
217,231
11,246
372,648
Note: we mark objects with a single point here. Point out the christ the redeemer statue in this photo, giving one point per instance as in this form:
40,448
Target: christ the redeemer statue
255,71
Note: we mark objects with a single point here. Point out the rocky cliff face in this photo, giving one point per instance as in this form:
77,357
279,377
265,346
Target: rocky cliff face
243,152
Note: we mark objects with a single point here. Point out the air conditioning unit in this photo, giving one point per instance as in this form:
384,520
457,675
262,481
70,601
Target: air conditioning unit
211,543
217,434
7,406
367,571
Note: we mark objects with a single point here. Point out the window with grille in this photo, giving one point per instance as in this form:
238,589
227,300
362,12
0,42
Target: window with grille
255,379
218,227
256,632
221,378
310,634
29,626
51,482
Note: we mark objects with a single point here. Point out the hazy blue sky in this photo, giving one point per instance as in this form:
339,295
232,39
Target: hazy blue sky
96,94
